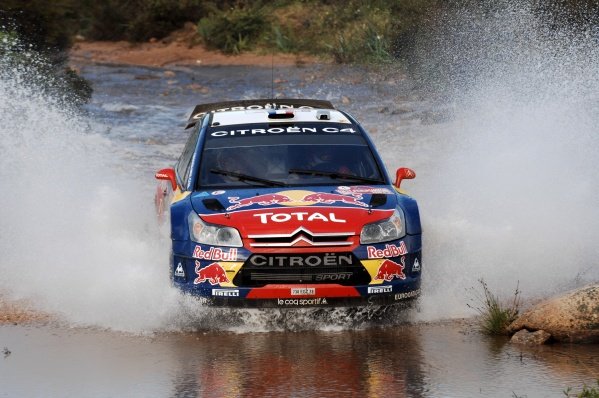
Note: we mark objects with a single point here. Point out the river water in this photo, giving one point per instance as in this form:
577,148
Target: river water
506,156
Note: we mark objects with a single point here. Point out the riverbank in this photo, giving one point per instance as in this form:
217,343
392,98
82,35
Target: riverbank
174,53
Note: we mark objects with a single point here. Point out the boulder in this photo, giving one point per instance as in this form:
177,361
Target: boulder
572,317
530,338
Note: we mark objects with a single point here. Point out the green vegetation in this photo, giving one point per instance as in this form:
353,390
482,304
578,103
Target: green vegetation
376,31
495,316
587,392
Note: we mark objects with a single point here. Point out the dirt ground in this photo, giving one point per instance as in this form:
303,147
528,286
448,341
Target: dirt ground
180,48
20,312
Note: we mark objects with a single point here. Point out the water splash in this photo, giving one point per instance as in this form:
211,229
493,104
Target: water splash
77,236
513,189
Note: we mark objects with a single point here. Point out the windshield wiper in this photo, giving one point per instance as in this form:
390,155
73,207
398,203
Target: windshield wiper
245,177
334,174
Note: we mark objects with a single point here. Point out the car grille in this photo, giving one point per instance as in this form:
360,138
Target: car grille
263,269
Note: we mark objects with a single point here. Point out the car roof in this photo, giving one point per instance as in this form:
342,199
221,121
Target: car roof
265,116
257,104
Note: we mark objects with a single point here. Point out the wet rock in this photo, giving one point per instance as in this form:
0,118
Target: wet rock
400,111
198,88
530,338
572,317
146,77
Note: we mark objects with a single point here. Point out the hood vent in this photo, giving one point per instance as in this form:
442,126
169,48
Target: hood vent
213,204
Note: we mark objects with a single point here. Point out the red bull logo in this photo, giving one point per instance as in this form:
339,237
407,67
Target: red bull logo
215,253
330,198
213,273
390,270
262,200
388,251
293,198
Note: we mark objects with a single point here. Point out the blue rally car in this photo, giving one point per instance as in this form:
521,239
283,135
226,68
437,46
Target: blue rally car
286,203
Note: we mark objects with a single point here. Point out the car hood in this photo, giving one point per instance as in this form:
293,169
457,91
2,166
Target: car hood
323,209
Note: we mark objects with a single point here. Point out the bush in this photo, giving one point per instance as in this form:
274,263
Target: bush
495,317
234,30
137,20
587,392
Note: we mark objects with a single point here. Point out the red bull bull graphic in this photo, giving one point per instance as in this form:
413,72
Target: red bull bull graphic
262,200
388,251
290,198
213,273
215,253
330,198
390,270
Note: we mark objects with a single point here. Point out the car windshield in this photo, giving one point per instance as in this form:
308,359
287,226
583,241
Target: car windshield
293,164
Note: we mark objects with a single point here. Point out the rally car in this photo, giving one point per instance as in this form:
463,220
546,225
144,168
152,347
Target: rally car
286,203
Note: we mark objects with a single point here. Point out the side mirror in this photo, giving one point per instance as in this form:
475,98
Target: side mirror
168,175
403,173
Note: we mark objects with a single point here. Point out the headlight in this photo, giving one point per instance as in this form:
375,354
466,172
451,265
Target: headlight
209,234
384,231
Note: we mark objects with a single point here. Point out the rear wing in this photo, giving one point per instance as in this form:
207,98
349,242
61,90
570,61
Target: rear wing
274,103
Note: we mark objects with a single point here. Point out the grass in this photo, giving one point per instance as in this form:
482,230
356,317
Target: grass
587,392
495,315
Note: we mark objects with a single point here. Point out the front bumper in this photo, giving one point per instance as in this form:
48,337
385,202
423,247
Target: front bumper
385,277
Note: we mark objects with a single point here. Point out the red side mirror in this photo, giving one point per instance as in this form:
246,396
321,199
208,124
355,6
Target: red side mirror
403,173
169,175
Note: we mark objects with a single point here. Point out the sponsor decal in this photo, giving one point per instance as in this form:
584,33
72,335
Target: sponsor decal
213,273
336,276
388,251
330,198
265,218
300,302
390,270
295,198
283,130
380,289
406,295
262,200
218,192
179,271
311,260
215,253
303,291
360,189
225,292
416,265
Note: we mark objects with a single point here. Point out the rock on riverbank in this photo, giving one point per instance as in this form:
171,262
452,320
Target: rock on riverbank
572,317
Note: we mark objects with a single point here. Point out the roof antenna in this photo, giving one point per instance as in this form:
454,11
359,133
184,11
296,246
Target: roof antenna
272,75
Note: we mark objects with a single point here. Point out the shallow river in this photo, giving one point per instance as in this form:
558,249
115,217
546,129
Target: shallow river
123,334
439,360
